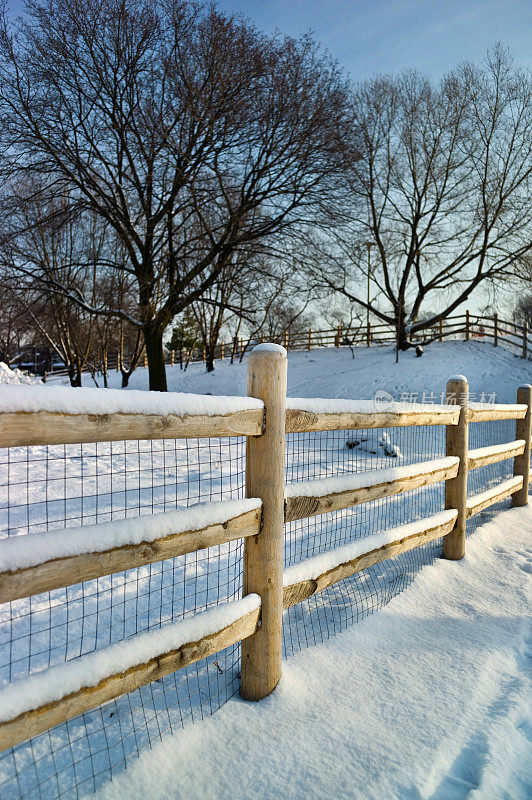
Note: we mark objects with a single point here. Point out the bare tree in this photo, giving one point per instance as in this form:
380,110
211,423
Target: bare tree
523,310
286,322
210,311
440,192
16,327
55,256
116,338
173,123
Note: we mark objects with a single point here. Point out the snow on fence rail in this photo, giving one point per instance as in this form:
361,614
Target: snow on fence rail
315,574
49,415
309,498
45,699
39,562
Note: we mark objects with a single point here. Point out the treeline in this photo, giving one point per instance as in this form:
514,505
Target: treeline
168,167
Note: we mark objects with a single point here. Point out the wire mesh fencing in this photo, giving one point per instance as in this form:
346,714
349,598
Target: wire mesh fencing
334,453
482,434
56,487
337,453
50,488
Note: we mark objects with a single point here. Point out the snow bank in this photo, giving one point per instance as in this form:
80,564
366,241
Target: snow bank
56,682
15,376
361,480
30,549
320,405
67,400
317,565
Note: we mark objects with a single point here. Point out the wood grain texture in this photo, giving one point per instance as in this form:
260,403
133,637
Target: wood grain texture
523,430
263,554
23,428
308,506
71,705
297,592
60,572
477,503
481,460
494,413
301,421
456,444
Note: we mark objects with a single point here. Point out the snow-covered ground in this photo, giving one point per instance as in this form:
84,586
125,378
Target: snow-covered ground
334,372
341,726
428,698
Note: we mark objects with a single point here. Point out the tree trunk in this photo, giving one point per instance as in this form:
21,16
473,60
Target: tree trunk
74,373
403,342
209,358
155,355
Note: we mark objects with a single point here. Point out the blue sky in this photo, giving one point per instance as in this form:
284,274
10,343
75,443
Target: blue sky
369,36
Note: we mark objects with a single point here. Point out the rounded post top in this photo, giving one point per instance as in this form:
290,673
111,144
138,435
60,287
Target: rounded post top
457,379
524,395
270,347
457,389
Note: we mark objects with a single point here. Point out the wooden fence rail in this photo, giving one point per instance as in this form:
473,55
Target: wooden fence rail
41,562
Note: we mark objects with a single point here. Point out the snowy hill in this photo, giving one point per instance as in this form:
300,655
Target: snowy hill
335,373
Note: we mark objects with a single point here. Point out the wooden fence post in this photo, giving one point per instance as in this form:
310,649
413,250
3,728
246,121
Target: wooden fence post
495,330
525,340
456,440
339,336
467,332
263,554
523,430
309,345
368,335
222,351
286,340
172,358
441,331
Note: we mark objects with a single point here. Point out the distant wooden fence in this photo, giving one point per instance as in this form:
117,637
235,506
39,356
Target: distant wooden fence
51,698
518,339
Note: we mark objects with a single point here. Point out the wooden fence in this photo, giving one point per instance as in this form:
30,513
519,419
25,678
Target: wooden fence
517,338
52,696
